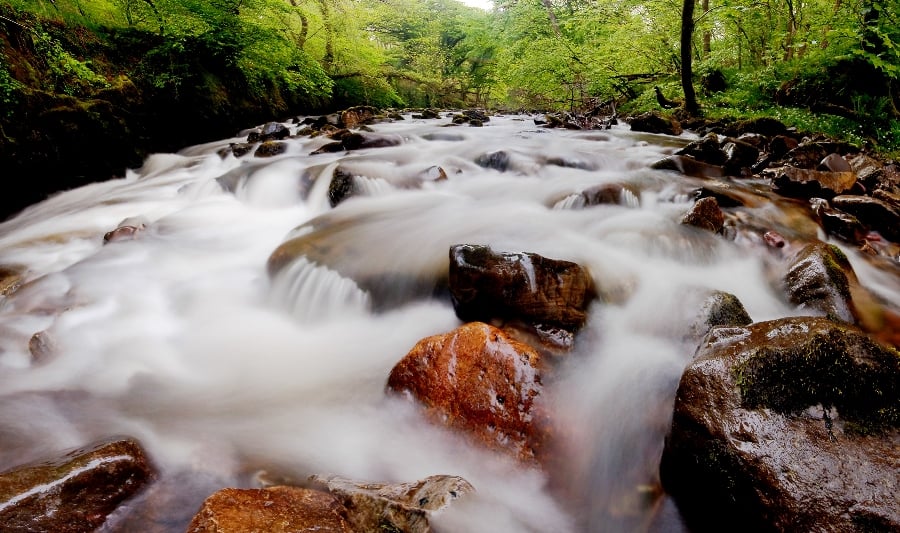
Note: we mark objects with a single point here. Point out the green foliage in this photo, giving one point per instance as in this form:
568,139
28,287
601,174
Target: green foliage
69,75
9,91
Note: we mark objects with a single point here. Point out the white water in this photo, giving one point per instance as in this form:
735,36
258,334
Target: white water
180,338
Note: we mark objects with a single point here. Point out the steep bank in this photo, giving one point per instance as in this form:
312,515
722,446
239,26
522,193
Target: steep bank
83,104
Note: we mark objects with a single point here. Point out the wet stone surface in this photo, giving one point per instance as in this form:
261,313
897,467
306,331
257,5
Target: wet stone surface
74,493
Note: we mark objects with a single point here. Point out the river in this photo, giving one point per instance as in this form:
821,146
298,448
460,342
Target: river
179,337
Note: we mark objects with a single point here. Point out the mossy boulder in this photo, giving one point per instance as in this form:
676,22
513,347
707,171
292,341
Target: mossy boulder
787,425
818,281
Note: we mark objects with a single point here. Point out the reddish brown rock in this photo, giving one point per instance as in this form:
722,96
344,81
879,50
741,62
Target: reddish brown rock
705,214
479,380
787,425
357,116
75,493
270,510
487,285
805,183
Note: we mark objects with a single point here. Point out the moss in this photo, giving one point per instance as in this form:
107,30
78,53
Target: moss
854,374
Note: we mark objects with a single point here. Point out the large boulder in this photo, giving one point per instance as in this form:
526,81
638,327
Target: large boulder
279,509
479,380
487,285
74,493
787,425
806,183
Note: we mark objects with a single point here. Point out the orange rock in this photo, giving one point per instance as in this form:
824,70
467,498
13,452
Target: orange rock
478,379
271,510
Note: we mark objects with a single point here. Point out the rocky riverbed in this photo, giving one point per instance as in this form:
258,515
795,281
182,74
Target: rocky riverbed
783,414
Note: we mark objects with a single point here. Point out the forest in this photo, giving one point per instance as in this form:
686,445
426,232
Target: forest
139,75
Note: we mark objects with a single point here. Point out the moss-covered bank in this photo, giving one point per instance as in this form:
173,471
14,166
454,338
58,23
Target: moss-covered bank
83,104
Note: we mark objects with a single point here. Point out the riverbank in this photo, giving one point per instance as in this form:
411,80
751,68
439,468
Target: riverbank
81,104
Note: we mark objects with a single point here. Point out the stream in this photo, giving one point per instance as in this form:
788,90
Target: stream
180,338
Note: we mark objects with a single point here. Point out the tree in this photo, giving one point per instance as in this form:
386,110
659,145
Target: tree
687,74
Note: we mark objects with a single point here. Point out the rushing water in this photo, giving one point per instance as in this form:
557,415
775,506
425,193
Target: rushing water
181,339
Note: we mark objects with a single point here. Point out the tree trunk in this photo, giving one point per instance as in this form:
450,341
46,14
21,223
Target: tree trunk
552,16
707,35
687,74
328,60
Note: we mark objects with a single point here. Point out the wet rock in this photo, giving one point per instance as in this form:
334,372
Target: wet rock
394,507
603,194
689,167
336,146
818,280
810,155
787,425
11,278
270,149
726,195
487,285
238,149
705,214
41,347
74,493
653,122
168,504
805,183
358,141
762,125
739,156
341,186
781,145
835,163
774,239
706,149
434,173
498,160
891,199
271,131
427,114
272,510
479,380
125,232
872,211
475,114
354,117
719,308
838,223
